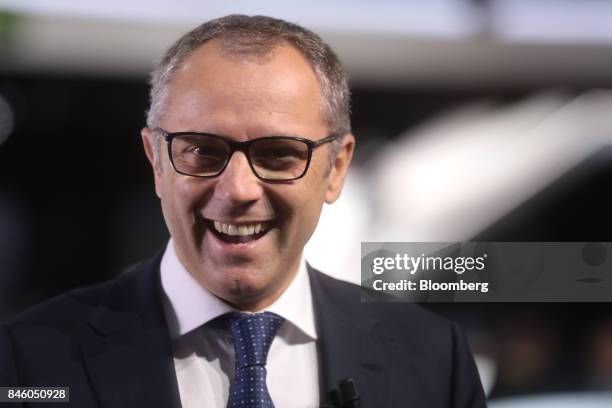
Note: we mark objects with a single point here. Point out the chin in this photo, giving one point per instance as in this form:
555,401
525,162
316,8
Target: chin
243,284
246,297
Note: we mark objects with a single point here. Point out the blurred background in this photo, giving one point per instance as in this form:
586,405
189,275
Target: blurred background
485,120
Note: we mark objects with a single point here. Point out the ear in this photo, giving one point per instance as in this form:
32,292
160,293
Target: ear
340,168
148,141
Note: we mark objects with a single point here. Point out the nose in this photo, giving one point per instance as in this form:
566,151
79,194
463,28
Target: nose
237,184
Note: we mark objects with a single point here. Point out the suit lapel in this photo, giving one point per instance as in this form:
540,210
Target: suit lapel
349,345
128,353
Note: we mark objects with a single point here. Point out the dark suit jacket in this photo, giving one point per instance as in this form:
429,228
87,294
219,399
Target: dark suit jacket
110,345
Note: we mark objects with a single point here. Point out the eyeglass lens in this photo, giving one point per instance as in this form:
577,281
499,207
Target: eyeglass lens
271,159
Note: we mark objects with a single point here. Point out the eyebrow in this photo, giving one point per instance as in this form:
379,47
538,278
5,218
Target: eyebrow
269,131
260,130
263,132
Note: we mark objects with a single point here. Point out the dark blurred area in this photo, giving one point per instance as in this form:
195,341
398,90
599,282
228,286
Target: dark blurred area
72,167
77,203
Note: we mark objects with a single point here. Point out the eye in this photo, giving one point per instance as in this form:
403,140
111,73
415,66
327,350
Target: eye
272,149
282,152
279,155
207,151
199,154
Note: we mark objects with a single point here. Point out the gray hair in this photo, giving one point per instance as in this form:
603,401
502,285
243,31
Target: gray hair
257,36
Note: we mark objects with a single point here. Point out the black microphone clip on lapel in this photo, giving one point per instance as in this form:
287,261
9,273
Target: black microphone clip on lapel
345,396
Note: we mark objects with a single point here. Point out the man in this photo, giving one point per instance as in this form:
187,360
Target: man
248,134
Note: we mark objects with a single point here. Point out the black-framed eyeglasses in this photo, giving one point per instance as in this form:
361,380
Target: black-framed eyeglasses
272,158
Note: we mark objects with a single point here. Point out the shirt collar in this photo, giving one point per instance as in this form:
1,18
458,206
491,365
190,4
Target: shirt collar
188,305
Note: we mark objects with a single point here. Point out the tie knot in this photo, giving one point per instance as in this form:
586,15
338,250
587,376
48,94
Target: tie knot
253,334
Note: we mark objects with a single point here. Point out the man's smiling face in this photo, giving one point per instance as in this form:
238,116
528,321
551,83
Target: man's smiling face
244,98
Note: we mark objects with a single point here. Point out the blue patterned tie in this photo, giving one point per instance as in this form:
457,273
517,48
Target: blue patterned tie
252,334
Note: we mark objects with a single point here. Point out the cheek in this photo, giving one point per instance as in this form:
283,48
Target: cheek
314,197
315,185
303,206
179,200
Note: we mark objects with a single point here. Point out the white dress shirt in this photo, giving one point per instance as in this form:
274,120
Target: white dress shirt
204,356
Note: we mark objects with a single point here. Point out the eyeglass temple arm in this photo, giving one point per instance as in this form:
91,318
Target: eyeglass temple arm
162,133
326,140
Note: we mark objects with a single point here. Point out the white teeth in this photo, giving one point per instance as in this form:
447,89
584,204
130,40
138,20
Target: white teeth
240,230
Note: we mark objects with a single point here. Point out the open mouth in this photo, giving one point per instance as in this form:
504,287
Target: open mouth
239,233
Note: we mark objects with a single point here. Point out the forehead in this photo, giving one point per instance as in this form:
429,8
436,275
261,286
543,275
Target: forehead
213,88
